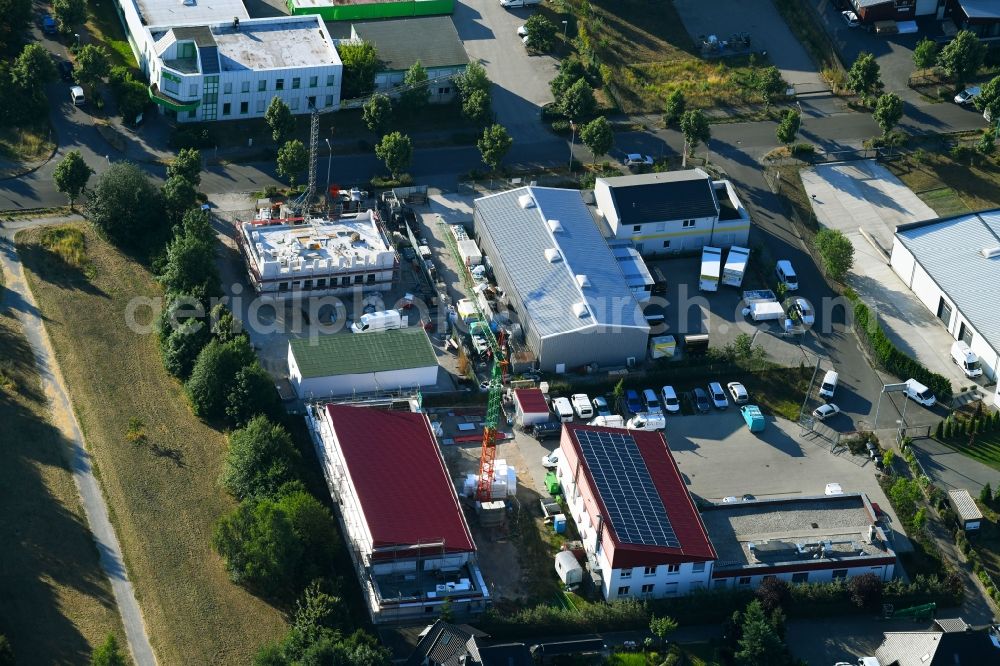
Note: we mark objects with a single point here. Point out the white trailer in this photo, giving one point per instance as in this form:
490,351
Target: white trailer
736,266
711,264
766,311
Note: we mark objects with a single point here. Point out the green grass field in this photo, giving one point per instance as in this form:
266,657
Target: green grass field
948,186
164,496
106,28
56,604
985,447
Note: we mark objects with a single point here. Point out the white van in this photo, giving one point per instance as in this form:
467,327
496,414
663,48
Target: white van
611,421
829,384
515,4
786,275
652,404
563,409
649,422
581,404
966,359
76,95
917,391
670,402
378,321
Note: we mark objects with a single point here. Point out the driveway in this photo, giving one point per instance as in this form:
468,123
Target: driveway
520,80
768,32
950,469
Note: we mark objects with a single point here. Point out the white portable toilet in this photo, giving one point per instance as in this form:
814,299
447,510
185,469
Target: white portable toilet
569,570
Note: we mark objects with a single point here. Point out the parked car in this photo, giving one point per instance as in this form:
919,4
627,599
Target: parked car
748,497
582,406
76,95
633,403
824,412
522,31
967,95
834,489
718,396
732,499
917,391
701,400
671,404
65,69
739,393
652,403
829,384
601,407
637,160
850,18
48,25
546,430
805,311
551,460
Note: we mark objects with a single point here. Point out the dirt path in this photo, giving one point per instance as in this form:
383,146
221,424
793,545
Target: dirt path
63,418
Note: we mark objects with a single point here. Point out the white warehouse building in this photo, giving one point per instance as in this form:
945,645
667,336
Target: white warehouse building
953,267
208,60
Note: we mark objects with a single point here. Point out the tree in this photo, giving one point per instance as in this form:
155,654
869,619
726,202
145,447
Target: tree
571,70
986,494
180,349
888,112
109,653
317,611
472,79
865,76
361,64
6,652
292,160
71,175
661,626
396,150
16,15
866,591
261,458
477,106
676,105
578,101
694,126
179,196
190,266
598,136
988,99
789,126
768,84
773,594
70,14
541,33
279,118
925,54
252,393
759,644
186,165
92,65
127,208
214,373
493,145
132,99
33,67
962,57
418,95
836,252
377,113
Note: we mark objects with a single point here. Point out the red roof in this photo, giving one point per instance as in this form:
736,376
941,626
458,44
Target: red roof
677,503
532,401
402,484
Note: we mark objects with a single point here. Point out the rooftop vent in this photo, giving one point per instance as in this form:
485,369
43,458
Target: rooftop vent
580,310
554,226
991,252
583,281
526,201
552,255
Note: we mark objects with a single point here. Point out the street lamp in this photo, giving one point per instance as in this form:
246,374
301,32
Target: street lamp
572,142
329,161
77,36
565,28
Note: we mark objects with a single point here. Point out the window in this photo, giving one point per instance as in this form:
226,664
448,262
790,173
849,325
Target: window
444,91
673,568
308,284
261,85
688,224
649,571
244,107
660,226
666,243
245,87
294,106
193,90
170,85
193,113
370,279
330,79
670,590
227,88
695,586
279,84
428,609
329,100
743,580
320,283
944,311
358,279
623,590
768,577
282,286
311,100
647,589
346,280
698,567
626,573
313,81
800,577
227,108
720,583
296,83
637,228
839,574
260,106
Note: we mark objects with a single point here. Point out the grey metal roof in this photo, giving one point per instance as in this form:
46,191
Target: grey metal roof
935,648
433,40
965,505
980,9
201,35
951,252
656,197
550,290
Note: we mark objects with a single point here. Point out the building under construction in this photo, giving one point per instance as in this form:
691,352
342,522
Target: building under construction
398,509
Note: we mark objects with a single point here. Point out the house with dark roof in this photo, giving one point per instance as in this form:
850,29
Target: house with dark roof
432,41
980,16
445,644
949,643
641,531
671,212
399,512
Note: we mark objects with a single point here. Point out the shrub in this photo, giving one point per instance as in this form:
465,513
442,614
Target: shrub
560,126
773,593
260,460
181,348
939,430
802,150
986,494
214,374
866,591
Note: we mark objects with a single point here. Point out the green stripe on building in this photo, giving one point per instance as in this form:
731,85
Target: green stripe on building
371,10
356,353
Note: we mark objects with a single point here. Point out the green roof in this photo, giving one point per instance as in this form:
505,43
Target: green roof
356,353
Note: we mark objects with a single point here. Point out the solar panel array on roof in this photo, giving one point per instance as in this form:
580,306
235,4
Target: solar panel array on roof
637,514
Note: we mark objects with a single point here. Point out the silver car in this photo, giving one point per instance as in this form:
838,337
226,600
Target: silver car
718,396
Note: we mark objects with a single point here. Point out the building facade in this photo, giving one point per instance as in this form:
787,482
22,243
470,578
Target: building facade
361,10
672,212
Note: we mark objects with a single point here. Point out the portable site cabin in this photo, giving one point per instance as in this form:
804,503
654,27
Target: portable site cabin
711,265
530,407
569,569
736,266
753,417
969,514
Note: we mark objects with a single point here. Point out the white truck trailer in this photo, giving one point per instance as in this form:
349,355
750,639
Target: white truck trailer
711,264
736,266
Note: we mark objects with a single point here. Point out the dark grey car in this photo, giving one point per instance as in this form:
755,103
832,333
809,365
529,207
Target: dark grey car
701,402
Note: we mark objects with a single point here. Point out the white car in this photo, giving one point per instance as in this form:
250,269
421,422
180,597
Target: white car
805,311
967,95
671,404
637,159
551,461
824,412
718,396
522,31
834,489
739,393
850,18
730,500
582,406
601,407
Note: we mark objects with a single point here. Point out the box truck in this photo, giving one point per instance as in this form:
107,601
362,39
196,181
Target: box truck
378,321
966,359
736,266
711,263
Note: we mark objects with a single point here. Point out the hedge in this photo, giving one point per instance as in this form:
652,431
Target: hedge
891,359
